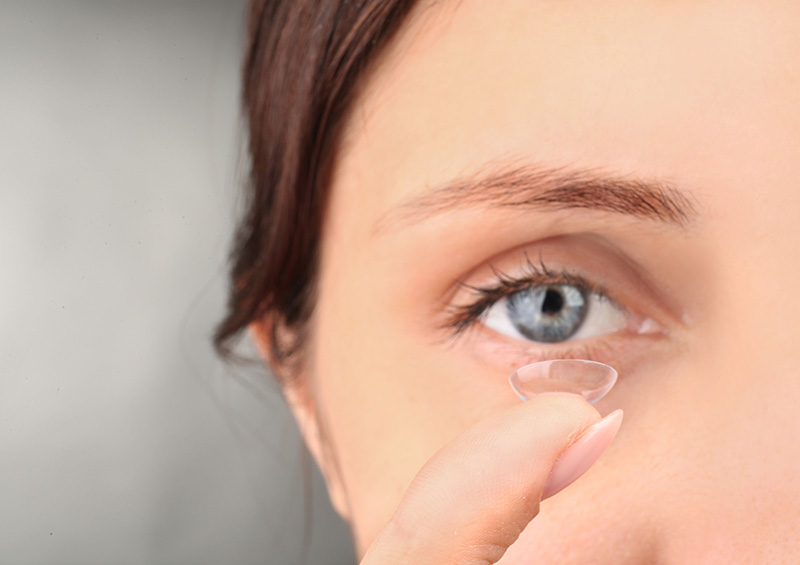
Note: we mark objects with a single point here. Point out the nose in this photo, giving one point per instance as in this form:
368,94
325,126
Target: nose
739,448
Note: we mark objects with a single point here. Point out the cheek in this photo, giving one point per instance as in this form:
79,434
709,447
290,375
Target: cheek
389,397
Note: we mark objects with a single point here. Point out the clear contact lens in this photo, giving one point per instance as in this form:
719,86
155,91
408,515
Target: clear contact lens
590,379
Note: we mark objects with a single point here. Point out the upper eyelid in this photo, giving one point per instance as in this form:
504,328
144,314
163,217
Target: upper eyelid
508,284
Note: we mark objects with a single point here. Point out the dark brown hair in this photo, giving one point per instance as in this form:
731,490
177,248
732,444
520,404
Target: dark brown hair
303,62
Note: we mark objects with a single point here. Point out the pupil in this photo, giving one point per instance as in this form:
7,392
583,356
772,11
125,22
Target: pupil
553,302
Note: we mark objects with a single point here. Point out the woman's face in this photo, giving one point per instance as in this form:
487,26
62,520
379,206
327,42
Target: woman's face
642,158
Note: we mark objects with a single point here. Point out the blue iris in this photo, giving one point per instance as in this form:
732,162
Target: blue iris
550,313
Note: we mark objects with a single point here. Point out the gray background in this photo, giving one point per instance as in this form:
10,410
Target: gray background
122,438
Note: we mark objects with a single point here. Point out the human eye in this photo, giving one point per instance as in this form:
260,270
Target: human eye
554,312
545,306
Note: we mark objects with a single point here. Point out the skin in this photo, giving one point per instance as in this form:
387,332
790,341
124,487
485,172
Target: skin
703,93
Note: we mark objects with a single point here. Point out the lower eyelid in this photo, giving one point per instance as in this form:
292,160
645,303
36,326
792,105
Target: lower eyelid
620,349
513,353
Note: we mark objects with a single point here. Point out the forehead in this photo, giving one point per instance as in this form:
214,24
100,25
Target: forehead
653,87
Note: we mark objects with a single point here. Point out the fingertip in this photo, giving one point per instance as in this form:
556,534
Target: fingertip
581,454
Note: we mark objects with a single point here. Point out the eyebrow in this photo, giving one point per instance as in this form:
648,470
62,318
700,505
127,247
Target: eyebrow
546,188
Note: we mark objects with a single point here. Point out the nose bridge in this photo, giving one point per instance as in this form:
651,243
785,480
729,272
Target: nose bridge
750,341
760,323
746,448
756,286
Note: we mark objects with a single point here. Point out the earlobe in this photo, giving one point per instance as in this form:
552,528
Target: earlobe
296,391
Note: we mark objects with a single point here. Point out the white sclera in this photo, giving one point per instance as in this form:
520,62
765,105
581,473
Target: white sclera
590,379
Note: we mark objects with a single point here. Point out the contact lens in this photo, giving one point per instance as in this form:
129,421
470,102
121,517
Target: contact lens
590,379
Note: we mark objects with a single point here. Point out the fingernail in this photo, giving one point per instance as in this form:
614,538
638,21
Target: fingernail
578,457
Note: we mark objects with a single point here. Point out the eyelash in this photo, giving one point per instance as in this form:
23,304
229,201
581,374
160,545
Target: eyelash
464,317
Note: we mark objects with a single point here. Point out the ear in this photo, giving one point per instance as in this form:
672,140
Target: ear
296,386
